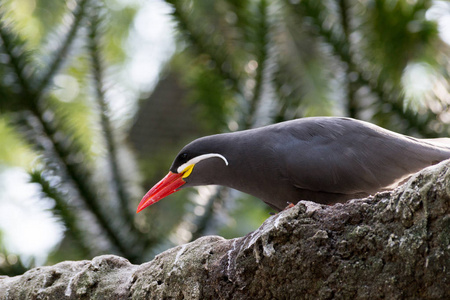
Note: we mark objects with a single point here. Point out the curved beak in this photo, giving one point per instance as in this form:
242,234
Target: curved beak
168,185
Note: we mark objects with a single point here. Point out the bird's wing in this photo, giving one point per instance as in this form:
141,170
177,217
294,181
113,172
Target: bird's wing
355,157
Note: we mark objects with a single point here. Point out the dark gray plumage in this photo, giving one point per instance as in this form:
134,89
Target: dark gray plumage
322,159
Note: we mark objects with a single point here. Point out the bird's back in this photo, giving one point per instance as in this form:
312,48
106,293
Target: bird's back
330,159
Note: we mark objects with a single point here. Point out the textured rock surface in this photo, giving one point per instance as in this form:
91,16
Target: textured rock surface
395,245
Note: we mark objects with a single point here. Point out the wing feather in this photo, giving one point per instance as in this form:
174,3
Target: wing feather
347,156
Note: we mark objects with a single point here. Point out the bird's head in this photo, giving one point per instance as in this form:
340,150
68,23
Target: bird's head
193,166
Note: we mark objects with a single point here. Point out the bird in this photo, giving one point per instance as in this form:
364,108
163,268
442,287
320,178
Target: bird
321,159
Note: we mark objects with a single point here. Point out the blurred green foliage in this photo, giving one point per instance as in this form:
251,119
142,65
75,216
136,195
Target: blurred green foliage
244,63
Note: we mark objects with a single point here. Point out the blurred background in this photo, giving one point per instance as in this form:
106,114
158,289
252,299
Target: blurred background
97,98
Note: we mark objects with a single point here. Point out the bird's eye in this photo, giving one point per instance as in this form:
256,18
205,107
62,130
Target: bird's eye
184,156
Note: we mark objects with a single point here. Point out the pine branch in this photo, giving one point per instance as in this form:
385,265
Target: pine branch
261,46
395,100
352,104
80,176
284,101
61,209
317,14
18,60
341,48
118,179
198,40
60,55
107,127
8,98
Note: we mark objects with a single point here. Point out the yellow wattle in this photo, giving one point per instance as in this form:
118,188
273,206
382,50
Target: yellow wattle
188,171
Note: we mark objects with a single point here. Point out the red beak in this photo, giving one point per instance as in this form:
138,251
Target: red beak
168,185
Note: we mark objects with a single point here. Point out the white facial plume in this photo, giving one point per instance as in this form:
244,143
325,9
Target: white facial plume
198,159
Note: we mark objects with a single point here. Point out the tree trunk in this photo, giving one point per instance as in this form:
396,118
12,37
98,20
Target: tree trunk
395,245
